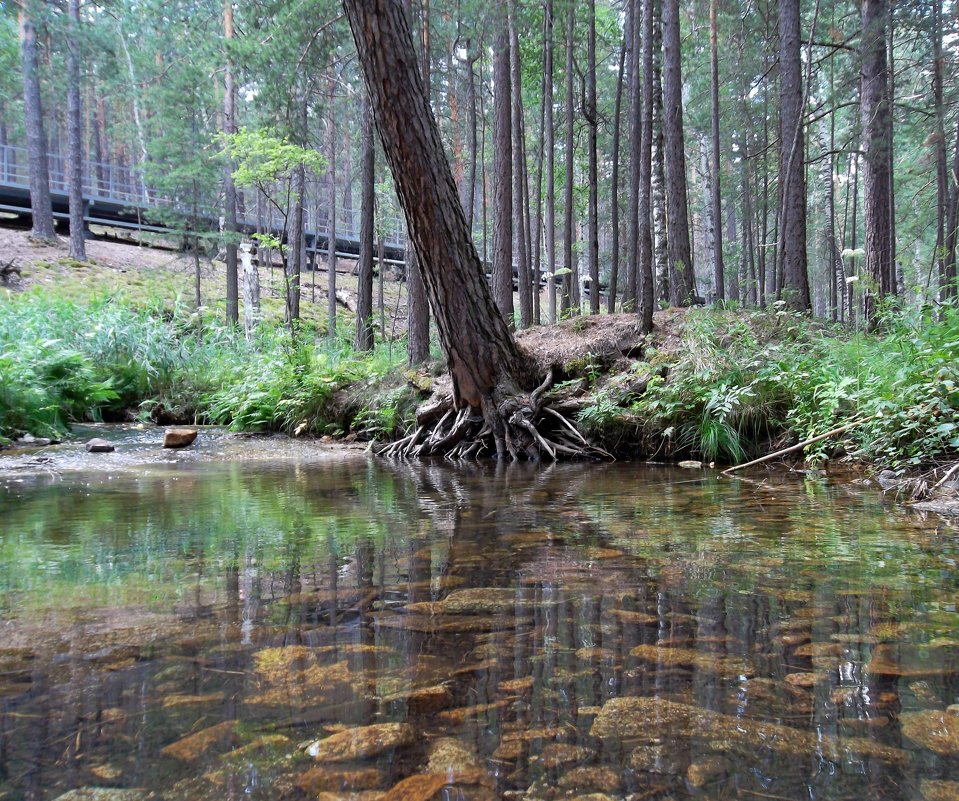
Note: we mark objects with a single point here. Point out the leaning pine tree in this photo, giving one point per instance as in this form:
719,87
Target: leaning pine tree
497,402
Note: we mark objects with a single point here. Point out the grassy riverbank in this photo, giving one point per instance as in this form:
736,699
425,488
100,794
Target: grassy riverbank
713,385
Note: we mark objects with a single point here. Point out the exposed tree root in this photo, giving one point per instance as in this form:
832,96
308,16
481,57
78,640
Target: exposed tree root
515,426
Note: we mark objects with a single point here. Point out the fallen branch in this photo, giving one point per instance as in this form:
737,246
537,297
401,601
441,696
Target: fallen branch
949,474
799,446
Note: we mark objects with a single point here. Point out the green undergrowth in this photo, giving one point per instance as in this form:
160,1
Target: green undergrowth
63,362
742,384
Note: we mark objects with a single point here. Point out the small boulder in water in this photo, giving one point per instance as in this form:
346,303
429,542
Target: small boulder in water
178,437
98,445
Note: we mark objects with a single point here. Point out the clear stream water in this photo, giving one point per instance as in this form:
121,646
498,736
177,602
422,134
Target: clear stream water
192,630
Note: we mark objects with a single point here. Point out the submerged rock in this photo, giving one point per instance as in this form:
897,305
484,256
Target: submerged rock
421,787
103,794
556,754
193,746
178,437
656,759
602,779
323,777
908,661
362,742
653,720
482,600
701,660
703,771
448,754
176,700
933,729
935,790
97,445
423,701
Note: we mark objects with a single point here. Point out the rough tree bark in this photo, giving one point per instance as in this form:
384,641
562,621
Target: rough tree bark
40,205
592,120
877,176
523,278
682,281
75,135
614,180
792,151
502,171
550,160
364,278
660,248
417,305
569,302
646,290
635,146
719,285
489,373
229,188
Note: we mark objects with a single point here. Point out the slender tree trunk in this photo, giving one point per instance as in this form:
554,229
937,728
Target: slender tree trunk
550,164
40,204
469,195
229,188
792,215
614,179
682,288
75,135
949,283
942,174
592,120
502,170
709,223
364,279
331,242
523,278
480,350
633,25
570,296
646,289
417,304
536,241
877,132
718,278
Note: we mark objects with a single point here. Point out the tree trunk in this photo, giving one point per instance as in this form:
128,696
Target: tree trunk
682,287
364,279
75,135
942,174
523,278
469,195
230,226
417,304
660,245
719,285
877,132
949,285
550,163
614,180
646,290
592,120
40,204
502,171
481,353
710,225
331,241
570,296
633,25
294,248
792,214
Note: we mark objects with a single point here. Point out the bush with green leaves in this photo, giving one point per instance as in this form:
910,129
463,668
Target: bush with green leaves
745,382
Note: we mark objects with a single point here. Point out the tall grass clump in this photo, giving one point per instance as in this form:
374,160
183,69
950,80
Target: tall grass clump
749,382
63,362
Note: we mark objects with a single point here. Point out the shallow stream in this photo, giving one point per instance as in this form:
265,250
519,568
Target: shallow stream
268,630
